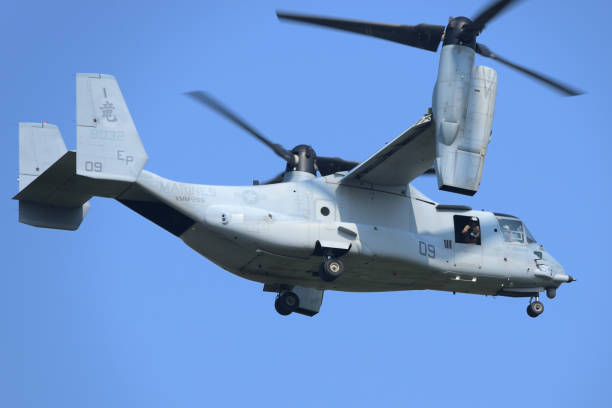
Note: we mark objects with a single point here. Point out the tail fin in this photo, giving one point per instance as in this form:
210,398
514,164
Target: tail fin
55,185
108,146
40,145
46,168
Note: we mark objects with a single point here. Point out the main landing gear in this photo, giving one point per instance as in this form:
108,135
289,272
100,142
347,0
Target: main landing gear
286,303
534,309
298,299
331,269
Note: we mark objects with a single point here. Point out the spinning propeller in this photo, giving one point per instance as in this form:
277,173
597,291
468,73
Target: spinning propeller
460,30
300,158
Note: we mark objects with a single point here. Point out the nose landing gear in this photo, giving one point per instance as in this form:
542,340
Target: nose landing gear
534,309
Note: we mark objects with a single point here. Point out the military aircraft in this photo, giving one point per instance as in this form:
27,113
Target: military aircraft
359,227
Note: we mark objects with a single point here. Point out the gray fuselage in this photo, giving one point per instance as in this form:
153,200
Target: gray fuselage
397,239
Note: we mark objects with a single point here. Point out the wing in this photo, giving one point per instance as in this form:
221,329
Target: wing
398,163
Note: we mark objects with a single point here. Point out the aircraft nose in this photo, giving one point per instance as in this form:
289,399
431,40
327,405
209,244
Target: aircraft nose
563,278
559,274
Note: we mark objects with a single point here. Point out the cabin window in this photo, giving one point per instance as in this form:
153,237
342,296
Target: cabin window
467,230
512,230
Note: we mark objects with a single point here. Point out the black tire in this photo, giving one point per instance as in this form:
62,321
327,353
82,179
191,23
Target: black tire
535,309
529,312
286,303
331,270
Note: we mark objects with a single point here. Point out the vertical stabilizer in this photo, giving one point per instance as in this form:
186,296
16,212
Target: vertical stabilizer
108,145
40,145
48,195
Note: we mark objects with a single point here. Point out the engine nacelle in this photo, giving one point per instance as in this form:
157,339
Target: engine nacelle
463,106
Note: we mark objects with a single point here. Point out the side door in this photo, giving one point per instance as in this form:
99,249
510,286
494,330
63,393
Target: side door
468,242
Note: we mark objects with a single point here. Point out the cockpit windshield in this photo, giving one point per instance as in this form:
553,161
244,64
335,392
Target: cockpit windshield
530,238
512,230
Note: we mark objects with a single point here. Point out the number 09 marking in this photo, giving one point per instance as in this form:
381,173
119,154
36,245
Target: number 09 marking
427,250
93,166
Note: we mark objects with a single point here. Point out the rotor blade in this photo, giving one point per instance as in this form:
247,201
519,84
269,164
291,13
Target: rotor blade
489,13
215,105
277,179
422,36
331,165
486,52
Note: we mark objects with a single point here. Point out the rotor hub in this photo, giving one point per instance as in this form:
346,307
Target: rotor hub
460,31
304,159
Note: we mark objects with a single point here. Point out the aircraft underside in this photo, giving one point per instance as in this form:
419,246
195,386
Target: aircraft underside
280,273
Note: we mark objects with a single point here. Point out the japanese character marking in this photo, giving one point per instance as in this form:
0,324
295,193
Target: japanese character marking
107,112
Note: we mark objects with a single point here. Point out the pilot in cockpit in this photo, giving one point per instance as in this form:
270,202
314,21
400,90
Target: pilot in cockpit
512,230
507,233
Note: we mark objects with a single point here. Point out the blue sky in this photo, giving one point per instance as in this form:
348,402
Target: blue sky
123,314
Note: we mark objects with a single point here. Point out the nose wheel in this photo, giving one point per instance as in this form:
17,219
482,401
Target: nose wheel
534,309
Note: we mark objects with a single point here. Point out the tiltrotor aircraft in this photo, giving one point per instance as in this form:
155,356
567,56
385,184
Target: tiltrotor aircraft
359,227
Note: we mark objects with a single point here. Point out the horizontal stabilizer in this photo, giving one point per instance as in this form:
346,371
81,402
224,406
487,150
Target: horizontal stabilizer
56,185
60,186
53,195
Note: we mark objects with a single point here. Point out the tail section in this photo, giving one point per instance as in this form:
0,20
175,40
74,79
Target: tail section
46,169
108,146
40,145
55,185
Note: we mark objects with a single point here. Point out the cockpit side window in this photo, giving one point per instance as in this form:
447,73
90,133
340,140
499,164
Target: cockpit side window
512,230
467,229
530,238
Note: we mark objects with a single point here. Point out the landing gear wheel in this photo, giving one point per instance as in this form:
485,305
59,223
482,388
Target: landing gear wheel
286,303
535,309
529,312
331,269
